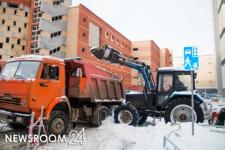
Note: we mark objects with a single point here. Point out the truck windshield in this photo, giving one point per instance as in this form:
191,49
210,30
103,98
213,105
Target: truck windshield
26,70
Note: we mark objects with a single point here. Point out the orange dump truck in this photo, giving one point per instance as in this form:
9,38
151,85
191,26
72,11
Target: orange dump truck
70,90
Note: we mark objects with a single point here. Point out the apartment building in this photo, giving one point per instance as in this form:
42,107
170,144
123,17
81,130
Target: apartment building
219,24
87,30
149,53
206,75
14,20
48,28
52,27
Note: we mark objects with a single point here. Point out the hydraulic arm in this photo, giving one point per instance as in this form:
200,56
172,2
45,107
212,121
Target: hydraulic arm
113,56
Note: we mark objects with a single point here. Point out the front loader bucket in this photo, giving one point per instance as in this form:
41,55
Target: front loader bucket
107,54
98,52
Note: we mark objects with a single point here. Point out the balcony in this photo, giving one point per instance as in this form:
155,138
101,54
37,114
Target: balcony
51,43
52,27
53,10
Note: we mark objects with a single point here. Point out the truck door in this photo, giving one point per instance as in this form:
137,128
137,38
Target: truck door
165,87
49,85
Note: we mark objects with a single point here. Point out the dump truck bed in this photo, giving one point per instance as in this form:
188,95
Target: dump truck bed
85,81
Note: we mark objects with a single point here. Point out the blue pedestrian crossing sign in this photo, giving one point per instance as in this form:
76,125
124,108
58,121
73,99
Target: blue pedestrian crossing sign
191,60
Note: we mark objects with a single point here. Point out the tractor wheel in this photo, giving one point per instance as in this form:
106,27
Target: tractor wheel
180,110
221,119
126,114
58,123
102,114
142,119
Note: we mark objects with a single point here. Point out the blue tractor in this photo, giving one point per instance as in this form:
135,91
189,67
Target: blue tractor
170,97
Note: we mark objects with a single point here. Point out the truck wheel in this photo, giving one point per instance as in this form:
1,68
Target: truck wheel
180,110
126,114
101,116
58,123
221,119
142,119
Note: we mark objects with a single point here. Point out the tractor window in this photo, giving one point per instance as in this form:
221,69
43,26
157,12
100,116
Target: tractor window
182,82
50,72
165,82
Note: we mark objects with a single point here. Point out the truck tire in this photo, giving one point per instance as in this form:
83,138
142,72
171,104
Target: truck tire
221,119
58,123
126,114
102,114
179,110
142,119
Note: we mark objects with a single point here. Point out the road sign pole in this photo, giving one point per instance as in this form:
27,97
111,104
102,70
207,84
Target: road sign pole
192,101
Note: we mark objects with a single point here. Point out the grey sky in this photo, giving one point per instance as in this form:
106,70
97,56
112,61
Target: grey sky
170,23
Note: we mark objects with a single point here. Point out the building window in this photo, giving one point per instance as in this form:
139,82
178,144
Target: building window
84,19
18,41
4,10
15,11
7,40
3,21
135,49
84,35
11,56
13,5
57,18
0,56
26,14
55,50
25,25
106,34
23,47
1,45
135,58
59,2
12,46
112,38
117,41
19,29
8,28
83,50
56,34
14,23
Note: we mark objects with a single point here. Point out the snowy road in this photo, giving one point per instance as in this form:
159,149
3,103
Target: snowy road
112,136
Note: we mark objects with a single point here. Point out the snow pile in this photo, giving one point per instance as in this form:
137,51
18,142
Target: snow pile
111,136
217,104
204,138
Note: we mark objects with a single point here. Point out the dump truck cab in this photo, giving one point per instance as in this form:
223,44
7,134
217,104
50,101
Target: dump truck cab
29,82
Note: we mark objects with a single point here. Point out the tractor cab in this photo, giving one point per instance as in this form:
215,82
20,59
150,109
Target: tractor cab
170,80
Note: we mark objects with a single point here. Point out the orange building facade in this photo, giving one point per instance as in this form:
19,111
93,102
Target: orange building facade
148,52
87,30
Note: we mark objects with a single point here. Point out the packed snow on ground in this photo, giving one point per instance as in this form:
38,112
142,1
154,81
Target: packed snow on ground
111,136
